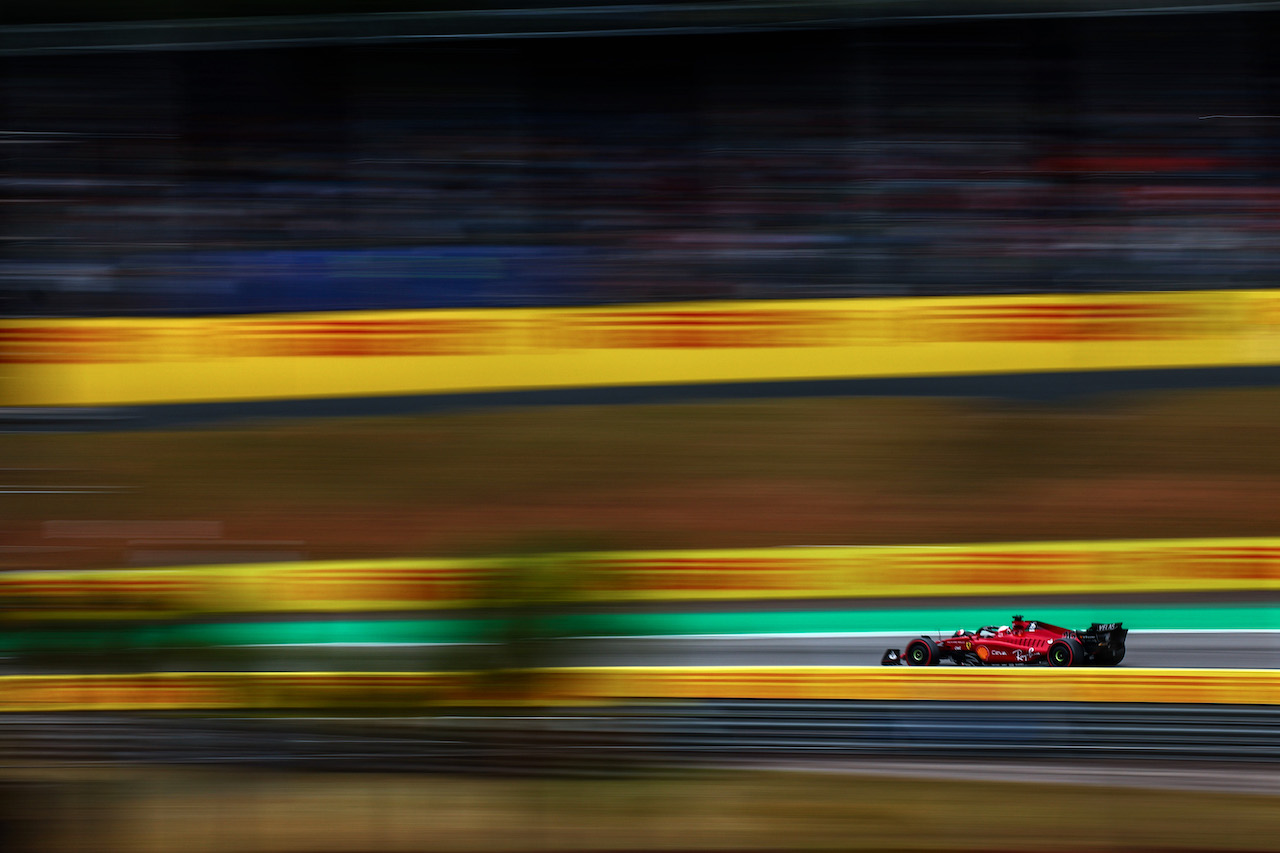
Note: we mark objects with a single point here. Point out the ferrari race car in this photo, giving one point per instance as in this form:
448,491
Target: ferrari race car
1021,642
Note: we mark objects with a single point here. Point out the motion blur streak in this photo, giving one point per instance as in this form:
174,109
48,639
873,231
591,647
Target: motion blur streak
931,313
409,691
944,158
130,361
1245,567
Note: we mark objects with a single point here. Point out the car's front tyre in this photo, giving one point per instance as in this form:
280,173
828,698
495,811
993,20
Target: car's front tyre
921,652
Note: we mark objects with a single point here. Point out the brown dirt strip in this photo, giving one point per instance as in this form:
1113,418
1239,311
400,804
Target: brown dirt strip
778,472
143,810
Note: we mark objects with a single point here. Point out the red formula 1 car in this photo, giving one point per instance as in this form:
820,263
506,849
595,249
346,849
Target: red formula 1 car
1021,642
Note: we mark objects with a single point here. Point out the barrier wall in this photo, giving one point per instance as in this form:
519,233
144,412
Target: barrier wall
853,572
586,686
135,361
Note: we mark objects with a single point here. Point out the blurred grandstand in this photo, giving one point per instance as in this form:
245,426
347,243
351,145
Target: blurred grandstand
719,150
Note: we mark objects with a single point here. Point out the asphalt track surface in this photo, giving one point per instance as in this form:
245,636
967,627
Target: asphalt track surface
1145,649
1158,649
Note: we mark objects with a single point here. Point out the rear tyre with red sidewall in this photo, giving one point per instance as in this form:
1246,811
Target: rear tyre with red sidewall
1066,652
921,652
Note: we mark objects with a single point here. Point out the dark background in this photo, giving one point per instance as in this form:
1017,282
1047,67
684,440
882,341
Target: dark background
1058,155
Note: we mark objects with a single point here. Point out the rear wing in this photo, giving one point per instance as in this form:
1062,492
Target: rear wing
1103,635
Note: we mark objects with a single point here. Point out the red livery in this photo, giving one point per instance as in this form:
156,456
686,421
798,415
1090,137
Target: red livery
1022,642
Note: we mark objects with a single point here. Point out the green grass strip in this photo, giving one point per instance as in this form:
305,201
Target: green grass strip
1243,616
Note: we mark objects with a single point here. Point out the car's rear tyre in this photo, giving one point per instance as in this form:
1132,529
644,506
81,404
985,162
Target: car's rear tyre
1066,652
1109,657
921,652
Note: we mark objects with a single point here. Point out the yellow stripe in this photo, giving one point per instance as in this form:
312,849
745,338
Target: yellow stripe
1012,684
585,686
126,361
868,572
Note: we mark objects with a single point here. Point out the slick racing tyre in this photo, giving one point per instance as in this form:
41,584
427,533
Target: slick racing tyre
1066,652
921,652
